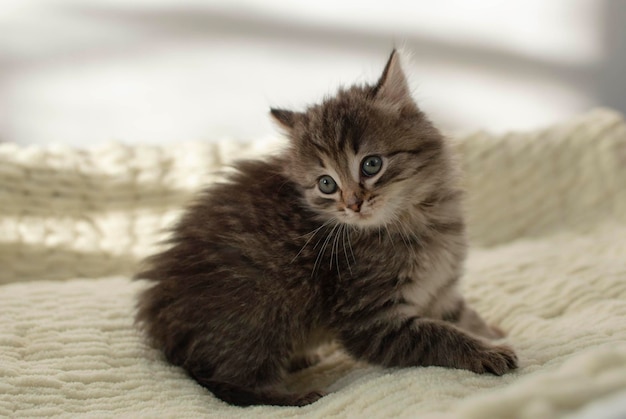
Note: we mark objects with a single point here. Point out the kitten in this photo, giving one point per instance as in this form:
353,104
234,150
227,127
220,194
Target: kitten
354,234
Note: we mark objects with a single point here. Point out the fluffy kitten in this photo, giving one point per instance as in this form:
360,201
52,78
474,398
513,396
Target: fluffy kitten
354,233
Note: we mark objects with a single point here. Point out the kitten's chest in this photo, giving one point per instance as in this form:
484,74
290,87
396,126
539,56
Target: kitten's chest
425,275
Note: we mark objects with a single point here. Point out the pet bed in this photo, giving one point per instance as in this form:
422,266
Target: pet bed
546,212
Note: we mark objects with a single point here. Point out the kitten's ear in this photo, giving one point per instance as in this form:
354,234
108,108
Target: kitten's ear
287,119
392,84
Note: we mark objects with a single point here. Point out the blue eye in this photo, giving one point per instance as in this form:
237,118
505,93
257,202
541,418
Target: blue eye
327,184
371,165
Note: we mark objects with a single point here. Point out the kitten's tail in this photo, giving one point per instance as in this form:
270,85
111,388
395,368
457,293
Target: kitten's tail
241,396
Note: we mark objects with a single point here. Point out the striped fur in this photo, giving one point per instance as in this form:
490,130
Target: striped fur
264,268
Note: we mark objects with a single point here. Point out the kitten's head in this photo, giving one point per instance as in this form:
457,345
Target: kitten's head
368,155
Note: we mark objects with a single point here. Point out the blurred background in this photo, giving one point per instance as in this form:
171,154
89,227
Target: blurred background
88,72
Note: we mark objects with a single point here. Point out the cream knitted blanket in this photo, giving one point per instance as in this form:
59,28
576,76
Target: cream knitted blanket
547,219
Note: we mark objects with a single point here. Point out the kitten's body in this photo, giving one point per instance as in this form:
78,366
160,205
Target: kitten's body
265,267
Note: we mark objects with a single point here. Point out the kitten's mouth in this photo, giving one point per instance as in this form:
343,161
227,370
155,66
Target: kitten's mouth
362,216
365,215
361,219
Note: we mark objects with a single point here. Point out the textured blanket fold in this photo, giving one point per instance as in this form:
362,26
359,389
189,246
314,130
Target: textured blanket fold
547,222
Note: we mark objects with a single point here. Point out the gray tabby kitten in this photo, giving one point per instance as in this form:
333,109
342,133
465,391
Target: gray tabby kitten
354,234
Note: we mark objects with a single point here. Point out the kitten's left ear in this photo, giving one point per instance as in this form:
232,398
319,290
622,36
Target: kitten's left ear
392,84
287,119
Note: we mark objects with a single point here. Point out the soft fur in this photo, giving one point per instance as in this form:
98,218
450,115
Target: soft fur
265,267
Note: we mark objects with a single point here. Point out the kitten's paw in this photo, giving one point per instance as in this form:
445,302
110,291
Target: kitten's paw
309,398
494,360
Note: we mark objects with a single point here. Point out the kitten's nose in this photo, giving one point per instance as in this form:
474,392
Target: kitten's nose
355,204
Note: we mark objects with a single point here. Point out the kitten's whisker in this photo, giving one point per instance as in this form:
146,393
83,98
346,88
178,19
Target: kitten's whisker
332,245
336,250
332,249
350,244
410,237
393,243
322,250
345,252
313,233
321,239
332,237
400,229
406,237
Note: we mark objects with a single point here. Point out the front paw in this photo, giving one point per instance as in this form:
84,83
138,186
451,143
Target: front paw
494,360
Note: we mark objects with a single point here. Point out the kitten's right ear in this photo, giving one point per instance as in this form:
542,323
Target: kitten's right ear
287,119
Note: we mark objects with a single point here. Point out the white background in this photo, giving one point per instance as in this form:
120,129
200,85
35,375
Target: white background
87,72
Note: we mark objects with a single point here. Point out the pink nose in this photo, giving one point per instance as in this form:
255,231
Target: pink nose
356,207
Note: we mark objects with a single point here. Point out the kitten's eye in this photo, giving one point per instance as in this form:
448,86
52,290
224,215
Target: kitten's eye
371,165
327,184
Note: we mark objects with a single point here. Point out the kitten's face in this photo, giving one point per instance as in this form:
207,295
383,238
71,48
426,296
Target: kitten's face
366,156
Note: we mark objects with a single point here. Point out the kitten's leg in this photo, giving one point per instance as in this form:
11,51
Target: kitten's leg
257,379
417,341
465,317
308,354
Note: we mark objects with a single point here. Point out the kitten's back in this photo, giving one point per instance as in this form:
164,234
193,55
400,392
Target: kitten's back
225,306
